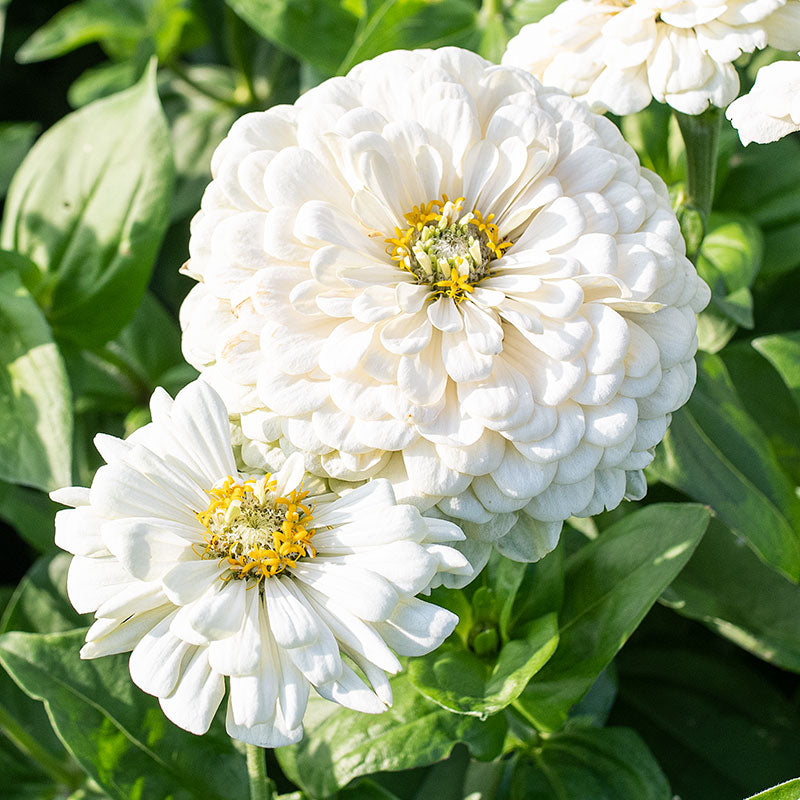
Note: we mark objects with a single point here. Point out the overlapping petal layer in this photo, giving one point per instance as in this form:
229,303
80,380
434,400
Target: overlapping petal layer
771,110
171,556
617,55
537,378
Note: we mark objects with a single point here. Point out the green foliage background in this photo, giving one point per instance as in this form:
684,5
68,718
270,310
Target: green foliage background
111,110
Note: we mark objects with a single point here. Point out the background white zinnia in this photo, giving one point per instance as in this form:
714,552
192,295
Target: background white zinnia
437,271
617,55
771,109
205,573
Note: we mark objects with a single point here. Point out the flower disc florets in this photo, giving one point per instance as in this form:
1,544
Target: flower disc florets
445,250
437,271
257,533
618,56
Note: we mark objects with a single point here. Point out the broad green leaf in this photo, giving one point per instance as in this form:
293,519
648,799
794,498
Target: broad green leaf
300,26
541,592
409,24
35,413
716,454
716,726
591,764
768,400
341,744
103,80
94,226
725,586
729,259
610,585
118,733
40,603
16,139
459,681
31,513
79,24
125,28
786,791
783,352
763,183
22,778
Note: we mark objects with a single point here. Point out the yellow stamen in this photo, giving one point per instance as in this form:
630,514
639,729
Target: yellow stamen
455,286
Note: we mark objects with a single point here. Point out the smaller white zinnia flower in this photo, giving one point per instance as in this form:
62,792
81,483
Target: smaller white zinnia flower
771,109
205,573
617,55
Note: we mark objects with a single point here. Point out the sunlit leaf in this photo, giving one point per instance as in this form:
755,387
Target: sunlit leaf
94,226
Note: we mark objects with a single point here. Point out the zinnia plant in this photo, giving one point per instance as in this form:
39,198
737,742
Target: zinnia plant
399,400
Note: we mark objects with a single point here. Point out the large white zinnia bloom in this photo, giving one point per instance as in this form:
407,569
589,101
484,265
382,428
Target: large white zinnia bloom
771,109
205,573
617,55
438,271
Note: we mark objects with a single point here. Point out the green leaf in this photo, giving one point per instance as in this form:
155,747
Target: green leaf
40,603
763,184
76,25
35,413
459,681
725,586
341,744
16,139
409,24
768,400
716,454
591,764
125,28
786,791
32,514
116,732
94,226
729,260
717,727
610,585
783,352
299,26
543,583
103,80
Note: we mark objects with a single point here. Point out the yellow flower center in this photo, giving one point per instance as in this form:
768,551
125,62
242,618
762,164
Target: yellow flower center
445,249
254,533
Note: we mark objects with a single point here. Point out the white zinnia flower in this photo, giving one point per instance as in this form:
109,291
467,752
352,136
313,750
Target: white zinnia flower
438,271
617,55
204,573
771,109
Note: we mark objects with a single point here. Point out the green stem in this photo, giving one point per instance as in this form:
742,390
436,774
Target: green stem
260,784
701,136
28,745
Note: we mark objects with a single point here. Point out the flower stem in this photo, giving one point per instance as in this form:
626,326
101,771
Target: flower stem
261,787
701,136
28,745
